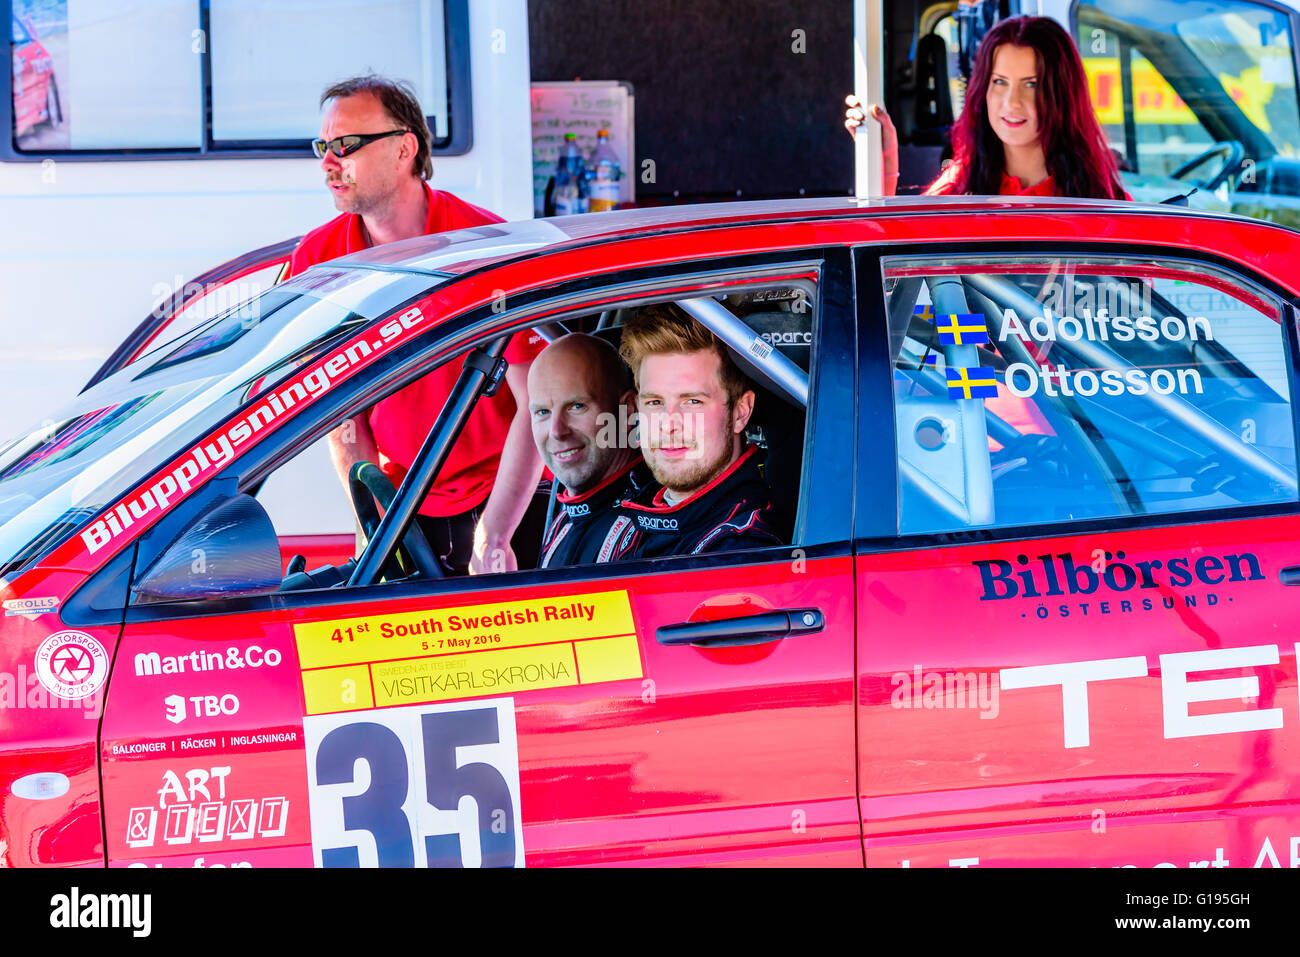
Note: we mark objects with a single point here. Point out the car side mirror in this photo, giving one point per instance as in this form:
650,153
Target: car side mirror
232,550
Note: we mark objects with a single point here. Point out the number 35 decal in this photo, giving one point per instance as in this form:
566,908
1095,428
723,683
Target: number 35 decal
426,786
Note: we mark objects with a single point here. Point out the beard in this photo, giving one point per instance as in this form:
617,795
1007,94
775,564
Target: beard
684,477
359,201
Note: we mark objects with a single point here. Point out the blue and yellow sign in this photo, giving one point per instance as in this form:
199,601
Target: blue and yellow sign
977,382
962,329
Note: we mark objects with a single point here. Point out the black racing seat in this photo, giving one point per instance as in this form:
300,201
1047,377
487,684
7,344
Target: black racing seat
921,152
777,424
933,98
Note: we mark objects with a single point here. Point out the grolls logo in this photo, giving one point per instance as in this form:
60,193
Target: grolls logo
205,706
1112,585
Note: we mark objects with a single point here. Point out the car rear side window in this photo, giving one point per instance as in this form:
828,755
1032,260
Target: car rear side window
1037,390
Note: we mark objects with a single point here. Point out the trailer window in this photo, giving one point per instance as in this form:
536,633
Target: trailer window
263,87
224,77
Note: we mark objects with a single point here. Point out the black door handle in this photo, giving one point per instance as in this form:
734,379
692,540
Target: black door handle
1290,576
746,630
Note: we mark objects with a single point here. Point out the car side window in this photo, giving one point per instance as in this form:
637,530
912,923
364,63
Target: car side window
1035,390
778,319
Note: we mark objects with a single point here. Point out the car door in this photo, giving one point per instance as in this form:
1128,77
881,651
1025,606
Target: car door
1070,637
538,717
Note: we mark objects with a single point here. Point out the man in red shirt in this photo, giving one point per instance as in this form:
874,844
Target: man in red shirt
490,478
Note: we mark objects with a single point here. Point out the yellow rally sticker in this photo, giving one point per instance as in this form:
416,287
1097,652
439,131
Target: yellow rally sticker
467,651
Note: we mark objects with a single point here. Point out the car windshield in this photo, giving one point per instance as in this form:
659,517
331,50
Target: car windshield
1247,48
1170,79
58,474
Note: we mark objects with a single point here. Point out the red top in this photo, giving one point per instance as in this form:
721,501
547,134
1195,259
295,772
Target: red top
401,422
342,234
1010,186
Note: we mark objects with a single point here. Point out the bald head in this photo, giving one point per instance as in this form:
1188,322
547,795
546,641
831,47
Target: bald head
574,387
585,362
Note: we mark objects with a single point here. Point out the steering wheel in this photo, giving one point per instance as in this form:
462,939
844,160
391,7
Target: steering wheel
1235,154
367,483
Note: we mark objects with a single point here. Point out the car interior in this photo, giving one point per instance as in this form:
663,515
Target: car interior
769,332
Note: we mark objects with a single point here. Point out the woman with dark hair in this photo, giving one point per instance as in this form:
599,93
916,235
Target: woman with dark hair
1027,127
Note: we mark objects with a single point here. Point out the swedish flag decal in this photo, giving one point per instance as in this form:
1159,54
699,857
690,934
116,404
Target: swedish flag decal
962,329
973,383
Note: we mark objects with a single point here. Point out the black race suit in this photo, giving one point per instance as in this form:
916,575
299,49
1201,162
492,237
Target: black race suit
578,531
733,511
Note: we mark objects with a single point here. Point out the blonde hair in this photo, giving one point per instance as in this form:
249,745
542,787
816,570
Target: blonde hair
664,329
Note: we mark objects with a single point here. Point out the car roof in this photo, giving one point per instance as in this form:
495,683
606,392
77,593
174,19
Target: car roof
457,252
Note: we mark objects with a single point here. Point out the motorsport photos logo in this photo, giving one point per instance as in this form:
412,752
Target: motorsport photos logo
69,669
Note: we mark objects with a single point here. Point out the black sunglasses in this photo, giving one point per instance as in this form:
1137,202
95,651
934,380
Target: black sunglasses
342,146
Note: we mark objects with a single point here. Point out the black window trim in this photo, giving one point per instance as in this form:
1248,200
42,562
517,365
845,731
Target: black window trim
877,529
834,386
459,141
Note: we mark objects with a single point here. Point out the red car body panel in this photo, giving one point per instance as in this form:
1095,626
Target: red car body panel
737,758
997,776
41,734
317,549
789,752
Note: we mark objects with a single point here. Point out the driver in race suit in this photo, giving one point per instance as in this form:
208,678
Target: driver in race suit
579,395
693,404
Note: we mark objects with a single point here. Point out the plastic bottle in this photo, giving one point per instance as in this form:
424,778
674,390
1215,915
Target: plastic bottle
570,179
605,173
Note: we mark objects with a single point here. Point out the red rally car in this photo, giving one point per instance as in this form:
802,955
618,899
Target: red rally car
1042,462
36,91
